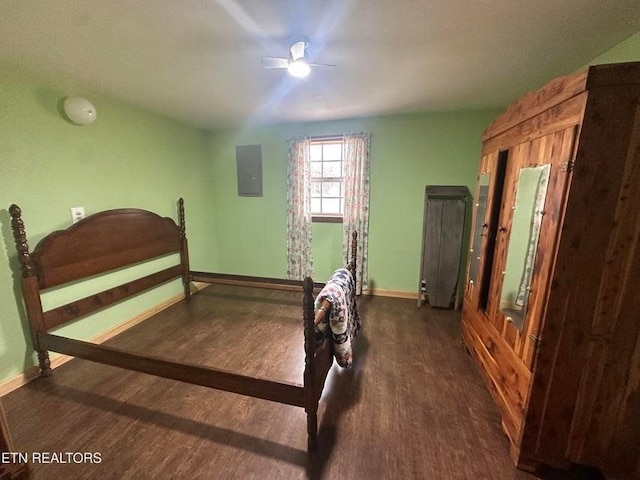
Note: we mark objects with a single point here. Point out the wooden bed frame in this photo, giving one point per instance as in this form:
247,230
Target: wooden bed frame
118,238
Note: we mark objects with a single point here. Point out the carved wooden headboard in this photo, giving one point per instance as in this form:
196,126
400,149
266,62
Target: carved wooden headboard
97,244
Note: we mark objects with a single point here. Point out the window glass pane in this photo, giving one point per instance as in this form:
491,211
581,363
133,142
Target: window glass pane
331,189
316,152
331,205
327,197
332,151
331,169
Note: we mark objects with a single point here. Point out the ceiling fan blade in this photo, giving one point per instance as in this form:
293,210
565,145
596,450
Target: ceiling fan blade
297,50
274,62
321,65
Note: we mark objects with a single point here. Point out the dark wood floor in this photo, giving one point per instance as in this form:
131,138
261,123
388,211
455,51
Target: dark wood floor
413,407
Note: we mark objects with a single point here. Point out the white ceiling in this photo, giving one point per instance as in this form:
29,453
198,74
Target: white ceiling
200,60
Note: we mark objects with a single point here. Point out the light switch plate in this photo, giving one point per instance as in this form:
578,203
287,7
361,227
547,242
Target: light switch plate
77,213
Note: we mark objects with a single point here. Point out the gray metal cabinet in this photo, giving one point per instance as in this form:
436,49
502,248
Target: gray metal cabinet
445,214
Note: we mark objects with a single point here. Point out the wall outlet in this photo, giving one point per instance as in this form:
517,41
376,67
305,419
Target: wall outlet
77,213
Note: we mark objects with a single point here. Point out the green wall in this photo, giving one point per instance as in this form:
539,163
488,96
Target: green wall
408,152
627,51
127,158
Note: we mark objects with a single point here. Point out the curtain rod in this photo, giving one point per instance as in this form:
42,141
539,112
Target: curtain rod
327,137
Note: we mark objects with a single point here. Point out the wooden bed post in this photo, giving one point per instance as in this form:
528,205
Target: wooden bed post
310,395
184,250
30,288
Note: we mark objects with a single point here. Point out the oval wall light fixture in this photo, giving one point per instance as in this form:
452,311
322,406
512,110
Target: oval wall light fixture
79,110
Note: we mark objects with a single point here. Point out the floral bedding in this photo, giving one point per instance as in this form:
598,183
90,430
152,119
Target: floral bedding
343,322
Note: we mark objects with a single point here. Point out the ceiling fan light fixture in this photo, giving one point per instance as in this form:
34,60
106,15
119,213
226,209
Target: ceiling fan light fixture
299,68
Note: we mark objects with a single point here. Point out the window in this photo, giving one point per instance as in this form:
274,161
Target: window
327,179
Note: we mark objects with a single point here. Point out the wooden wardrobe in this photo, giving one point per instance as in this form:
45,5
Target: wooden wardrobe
551,311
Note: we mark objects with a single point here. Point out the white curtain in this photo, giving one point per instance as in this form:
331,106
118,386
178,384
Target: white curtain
299,254
356,202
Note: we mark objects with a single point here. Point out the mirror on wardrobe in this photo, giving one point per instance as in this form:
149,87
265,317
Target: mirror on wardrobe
523,242
480,227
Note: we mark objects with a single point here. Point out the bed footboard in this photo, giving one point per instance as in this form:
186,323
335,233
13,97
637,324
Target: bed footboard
318,361
311,396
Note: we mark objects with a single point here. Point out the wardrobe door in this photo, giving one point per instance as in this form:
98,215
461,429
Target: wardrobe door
483,231
539,172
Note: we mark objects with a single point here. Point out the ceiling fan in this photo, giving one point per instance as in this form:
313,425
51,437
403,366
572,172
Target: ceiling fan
297,64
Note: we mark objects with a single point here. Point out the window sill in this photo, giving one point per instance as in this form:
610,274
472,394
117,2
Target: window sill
326,219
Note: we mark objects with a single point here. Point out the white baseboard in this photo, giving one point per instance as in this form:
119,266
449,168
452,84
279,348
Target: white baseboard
25,377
